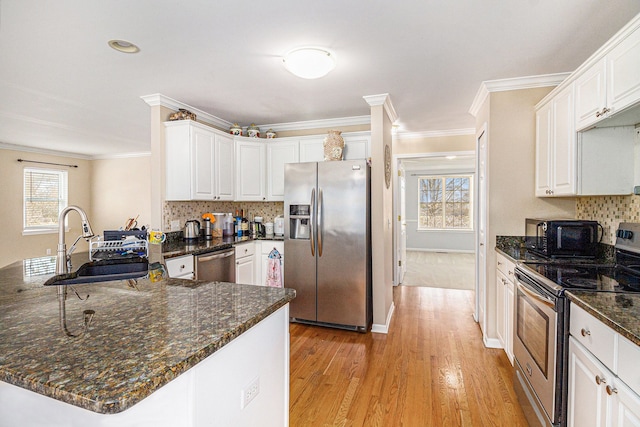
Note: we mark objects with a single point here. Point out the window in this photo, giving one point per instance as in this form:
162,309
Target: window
444,203
45,196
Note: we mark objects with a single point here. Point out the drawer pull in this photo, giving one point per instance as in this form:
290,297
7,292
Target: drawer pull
600,380
611,390
182,267
584,332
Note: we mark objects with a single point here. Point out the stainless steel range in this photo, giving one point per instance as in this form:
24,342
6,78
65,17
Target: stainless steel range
542,320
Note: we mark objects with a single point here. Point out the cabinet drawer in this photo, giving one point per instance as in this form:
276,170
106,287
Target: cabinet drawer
180,266
594,335
245,249
628,357
506,266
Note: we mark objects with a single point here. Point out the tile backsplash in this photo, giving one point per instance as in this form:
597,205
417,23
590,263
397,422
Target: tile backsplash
609,211
183,211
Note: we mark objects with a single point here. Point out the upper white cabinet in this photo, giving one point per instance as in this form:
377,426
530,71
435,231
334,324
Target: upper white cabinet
311,149
279,153
251,155
357,146
556,146
591,95
199,162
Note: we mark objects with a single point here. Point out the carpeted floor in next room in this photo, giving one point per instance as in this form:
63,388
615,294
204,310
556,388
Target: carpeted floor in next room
440,270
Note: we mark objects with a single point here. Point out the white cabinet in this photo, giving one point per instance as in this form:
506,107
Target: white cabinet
279,153
245,263
611,84
199,162
312,150
556,147
250,169
357,146
602,374
180,267
505,303
266,246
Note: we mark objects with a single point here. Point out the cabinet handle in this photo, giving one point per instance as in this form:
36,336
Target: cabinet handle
604,111
499,263
600,380
584,332
510,273
182,267
611,390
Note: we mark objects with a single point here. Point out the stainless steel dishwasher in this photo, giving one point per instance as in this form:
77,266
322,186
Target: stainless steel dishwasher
216,266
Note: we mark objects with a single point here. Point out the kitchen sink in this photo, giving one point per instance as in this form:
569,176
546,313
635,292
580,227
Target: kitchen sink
103,271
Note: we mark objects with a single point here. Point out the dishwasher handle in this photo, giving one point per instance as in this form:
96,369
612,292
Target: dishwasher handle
217,255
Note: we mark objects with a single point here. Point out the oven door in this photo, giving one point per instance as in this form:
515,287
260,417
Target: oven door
535,345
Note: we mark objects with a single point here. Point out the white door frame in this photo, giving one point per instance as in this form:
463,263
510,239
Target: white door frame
481,220
396,197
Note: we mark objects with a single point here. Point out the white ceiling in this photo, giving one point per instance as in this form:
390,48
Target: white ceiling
62,88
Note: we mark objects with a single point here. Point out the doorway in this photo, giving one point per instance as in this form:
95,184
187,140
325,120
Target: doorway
434,258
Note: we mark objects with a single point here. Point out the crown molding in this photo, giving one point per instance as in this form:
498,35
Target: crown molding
122,155
318,124
385,100
517,83
28,149
434,133
156,99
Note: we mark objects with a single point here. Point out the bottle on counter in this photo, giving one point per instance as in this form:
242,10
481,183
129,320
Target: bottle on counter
244,223
238,225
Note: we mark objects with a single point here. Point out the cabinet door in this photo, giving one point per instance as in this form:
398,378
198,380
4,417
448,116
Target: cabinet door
543,150
623,73
509,319
245,270
356,147
178,162
250,171
202,147
224,167
587,403
625,405
278,154
591,96
312,150
564,144
501,326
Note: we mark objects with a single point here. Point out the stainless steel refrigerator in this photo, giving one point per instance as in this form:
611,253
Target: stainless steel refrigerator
327,243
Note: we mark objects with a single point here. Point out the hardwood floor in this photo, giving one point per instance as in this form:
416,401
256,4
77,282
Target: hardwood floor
431,369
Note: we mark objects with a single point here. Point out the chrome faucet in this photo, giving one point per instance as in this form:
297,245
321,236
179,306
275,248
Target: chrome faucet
62,260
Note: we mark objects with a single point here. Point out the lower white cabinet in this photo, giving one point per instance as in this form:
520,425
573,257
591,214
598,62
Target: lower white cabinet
266,246
598,396
180,267
245,263
505,303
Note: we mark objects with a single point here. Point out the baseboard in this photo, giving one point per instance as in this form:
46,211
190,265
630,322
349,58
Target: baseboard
457,251
384,329
491,342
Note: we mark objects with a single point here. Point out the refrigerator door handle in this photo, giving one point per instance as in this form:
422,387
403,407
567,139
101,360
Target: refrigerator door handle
320,226
312,240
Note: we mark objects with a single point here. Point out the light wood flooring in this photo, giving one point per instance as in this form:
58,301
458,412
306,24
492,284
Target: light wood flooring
431,369
440,270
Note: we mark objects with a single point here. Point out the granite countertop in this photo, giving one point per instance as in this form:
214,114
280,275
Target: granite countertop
141,336
177,246
620,311
514,248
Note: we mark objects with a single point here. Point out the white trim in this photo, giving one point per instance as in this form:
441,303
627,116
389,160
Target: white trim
517,83
27,149
491,342
122,156
160,99
384,329
434,133
385,100
435,154
318,124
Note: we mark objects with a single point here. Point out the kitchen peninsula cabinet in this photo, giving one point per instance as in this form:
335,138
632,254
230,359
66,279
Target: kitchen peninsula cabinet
199,162
603,381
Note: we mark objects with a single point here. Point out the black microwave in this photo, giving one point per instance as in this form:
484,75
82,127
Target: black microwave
559,238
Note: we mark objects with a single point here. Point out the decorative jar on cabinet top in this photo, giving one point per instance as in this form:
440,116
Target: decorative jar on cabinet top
235,130
253,131
333,145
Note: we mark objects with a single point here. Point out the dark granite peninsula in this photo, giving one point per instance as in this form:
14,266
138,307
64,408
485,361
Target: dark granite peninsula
169,352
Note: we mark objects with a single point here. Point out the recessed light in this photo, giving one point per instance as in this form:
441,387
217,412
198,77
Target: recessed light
124,46
309,62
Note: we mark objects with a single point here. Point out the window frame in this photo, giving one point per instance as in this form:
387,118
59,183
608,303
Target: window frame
63,199
443,178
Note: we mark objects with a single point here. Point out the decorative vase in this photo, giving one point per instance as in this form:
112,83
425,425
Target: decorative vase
271,134
182,114
253,131
333,145
235,130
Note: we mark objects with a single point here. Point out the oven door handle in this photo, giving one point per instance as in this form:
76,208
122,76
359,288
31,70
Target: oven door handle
546,301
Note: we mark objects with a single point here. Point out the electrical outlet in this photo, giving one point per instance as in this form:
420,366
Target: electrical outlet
175,225
249,392
48,251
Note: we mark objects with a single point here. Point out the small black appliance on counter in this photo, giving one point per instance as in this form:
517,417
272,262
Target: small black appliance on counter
563,238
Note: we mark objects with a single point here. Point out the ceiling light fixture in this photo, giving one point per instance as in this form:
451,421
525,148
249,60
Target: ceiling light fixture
309,62
124,46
